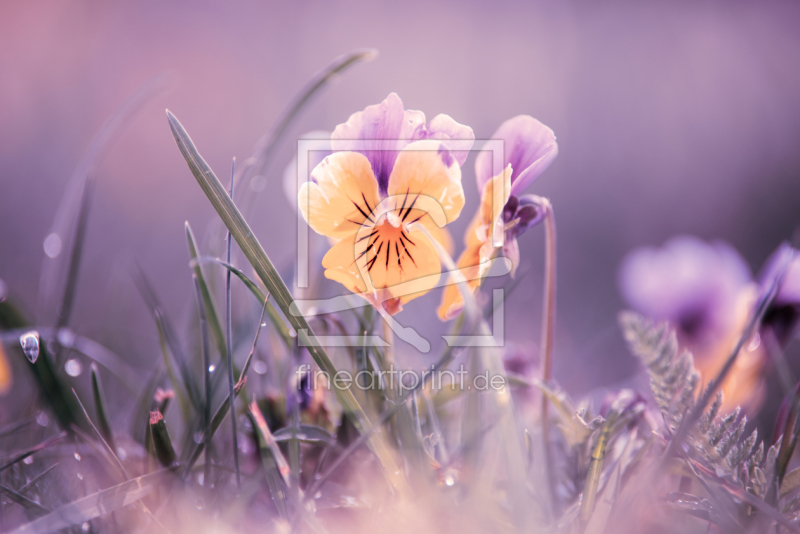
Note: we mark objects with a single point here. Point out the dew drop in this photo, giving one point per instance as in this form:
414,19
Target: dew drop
42,419
28,460
66,337
80,476
122,453
29,341
77,456
86,527
73,367
200,478
212,368
258,183
198,437
260,367
52,245
3,290
755,342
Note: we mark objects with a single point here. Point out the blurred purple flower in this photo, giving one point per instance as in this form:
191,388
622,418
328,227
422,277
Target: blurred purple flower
693,284
390,122
783,315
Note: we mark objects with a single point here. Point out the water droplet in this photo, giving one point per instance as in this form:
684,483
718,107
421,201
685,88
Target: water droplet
258,183
245,444
200,479
449,479
77,456
3,290
52,245
28,460
263,325
260,367
73,367
212,368
755,342
66,337
42,419
122,453
198,437
80,476
86,527
29,341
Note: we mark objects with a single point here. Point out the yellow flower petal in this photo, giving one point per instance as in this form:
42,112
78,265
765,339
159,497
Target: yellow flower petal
343,197
469,265
387,265
424,168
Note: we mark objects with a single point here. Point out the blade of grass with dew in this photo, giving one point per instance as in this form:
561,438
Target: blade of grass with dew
229,348
277,321
183,382
5,464
94,505
37,478
275,466
54,391
255,254
206,383
100,407
66,213
190,456
211,313
35,509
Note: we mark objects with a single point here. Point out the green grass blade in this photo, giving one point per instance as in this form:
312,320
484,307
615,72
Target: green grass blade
211,313
32,507
162,444
275,466
95,505
273,314
5,464
254,252
100,407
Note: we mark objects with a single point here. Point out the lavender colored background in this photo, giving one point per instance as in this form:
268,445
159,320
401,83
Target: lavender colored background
671,118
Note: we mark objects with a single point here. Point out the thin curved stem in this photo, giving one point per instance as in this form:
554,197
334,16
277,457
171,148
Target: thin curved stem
548,334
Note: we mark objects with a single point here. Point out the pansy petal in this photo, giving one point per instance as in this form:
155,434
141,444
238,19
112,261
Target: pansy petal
494,197
529,147
340,265
452,301
341,196
426,168
458,138
291,180
375,132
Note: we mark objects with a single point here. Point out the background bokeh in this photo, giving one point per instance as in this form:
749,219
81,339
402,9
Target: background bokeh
671,117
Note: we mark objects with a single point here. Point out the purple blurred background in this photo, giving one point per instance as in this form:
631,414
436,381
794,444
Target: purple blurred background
671,118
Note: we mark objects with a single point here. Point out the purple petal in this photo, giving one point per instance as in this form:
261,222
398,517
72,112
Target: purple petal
689,282
529,146
529,212
789,292
382,122
453,135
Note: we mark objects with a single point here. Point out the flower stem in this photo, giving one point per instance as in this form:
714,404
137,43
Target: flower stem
229,348
548,333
